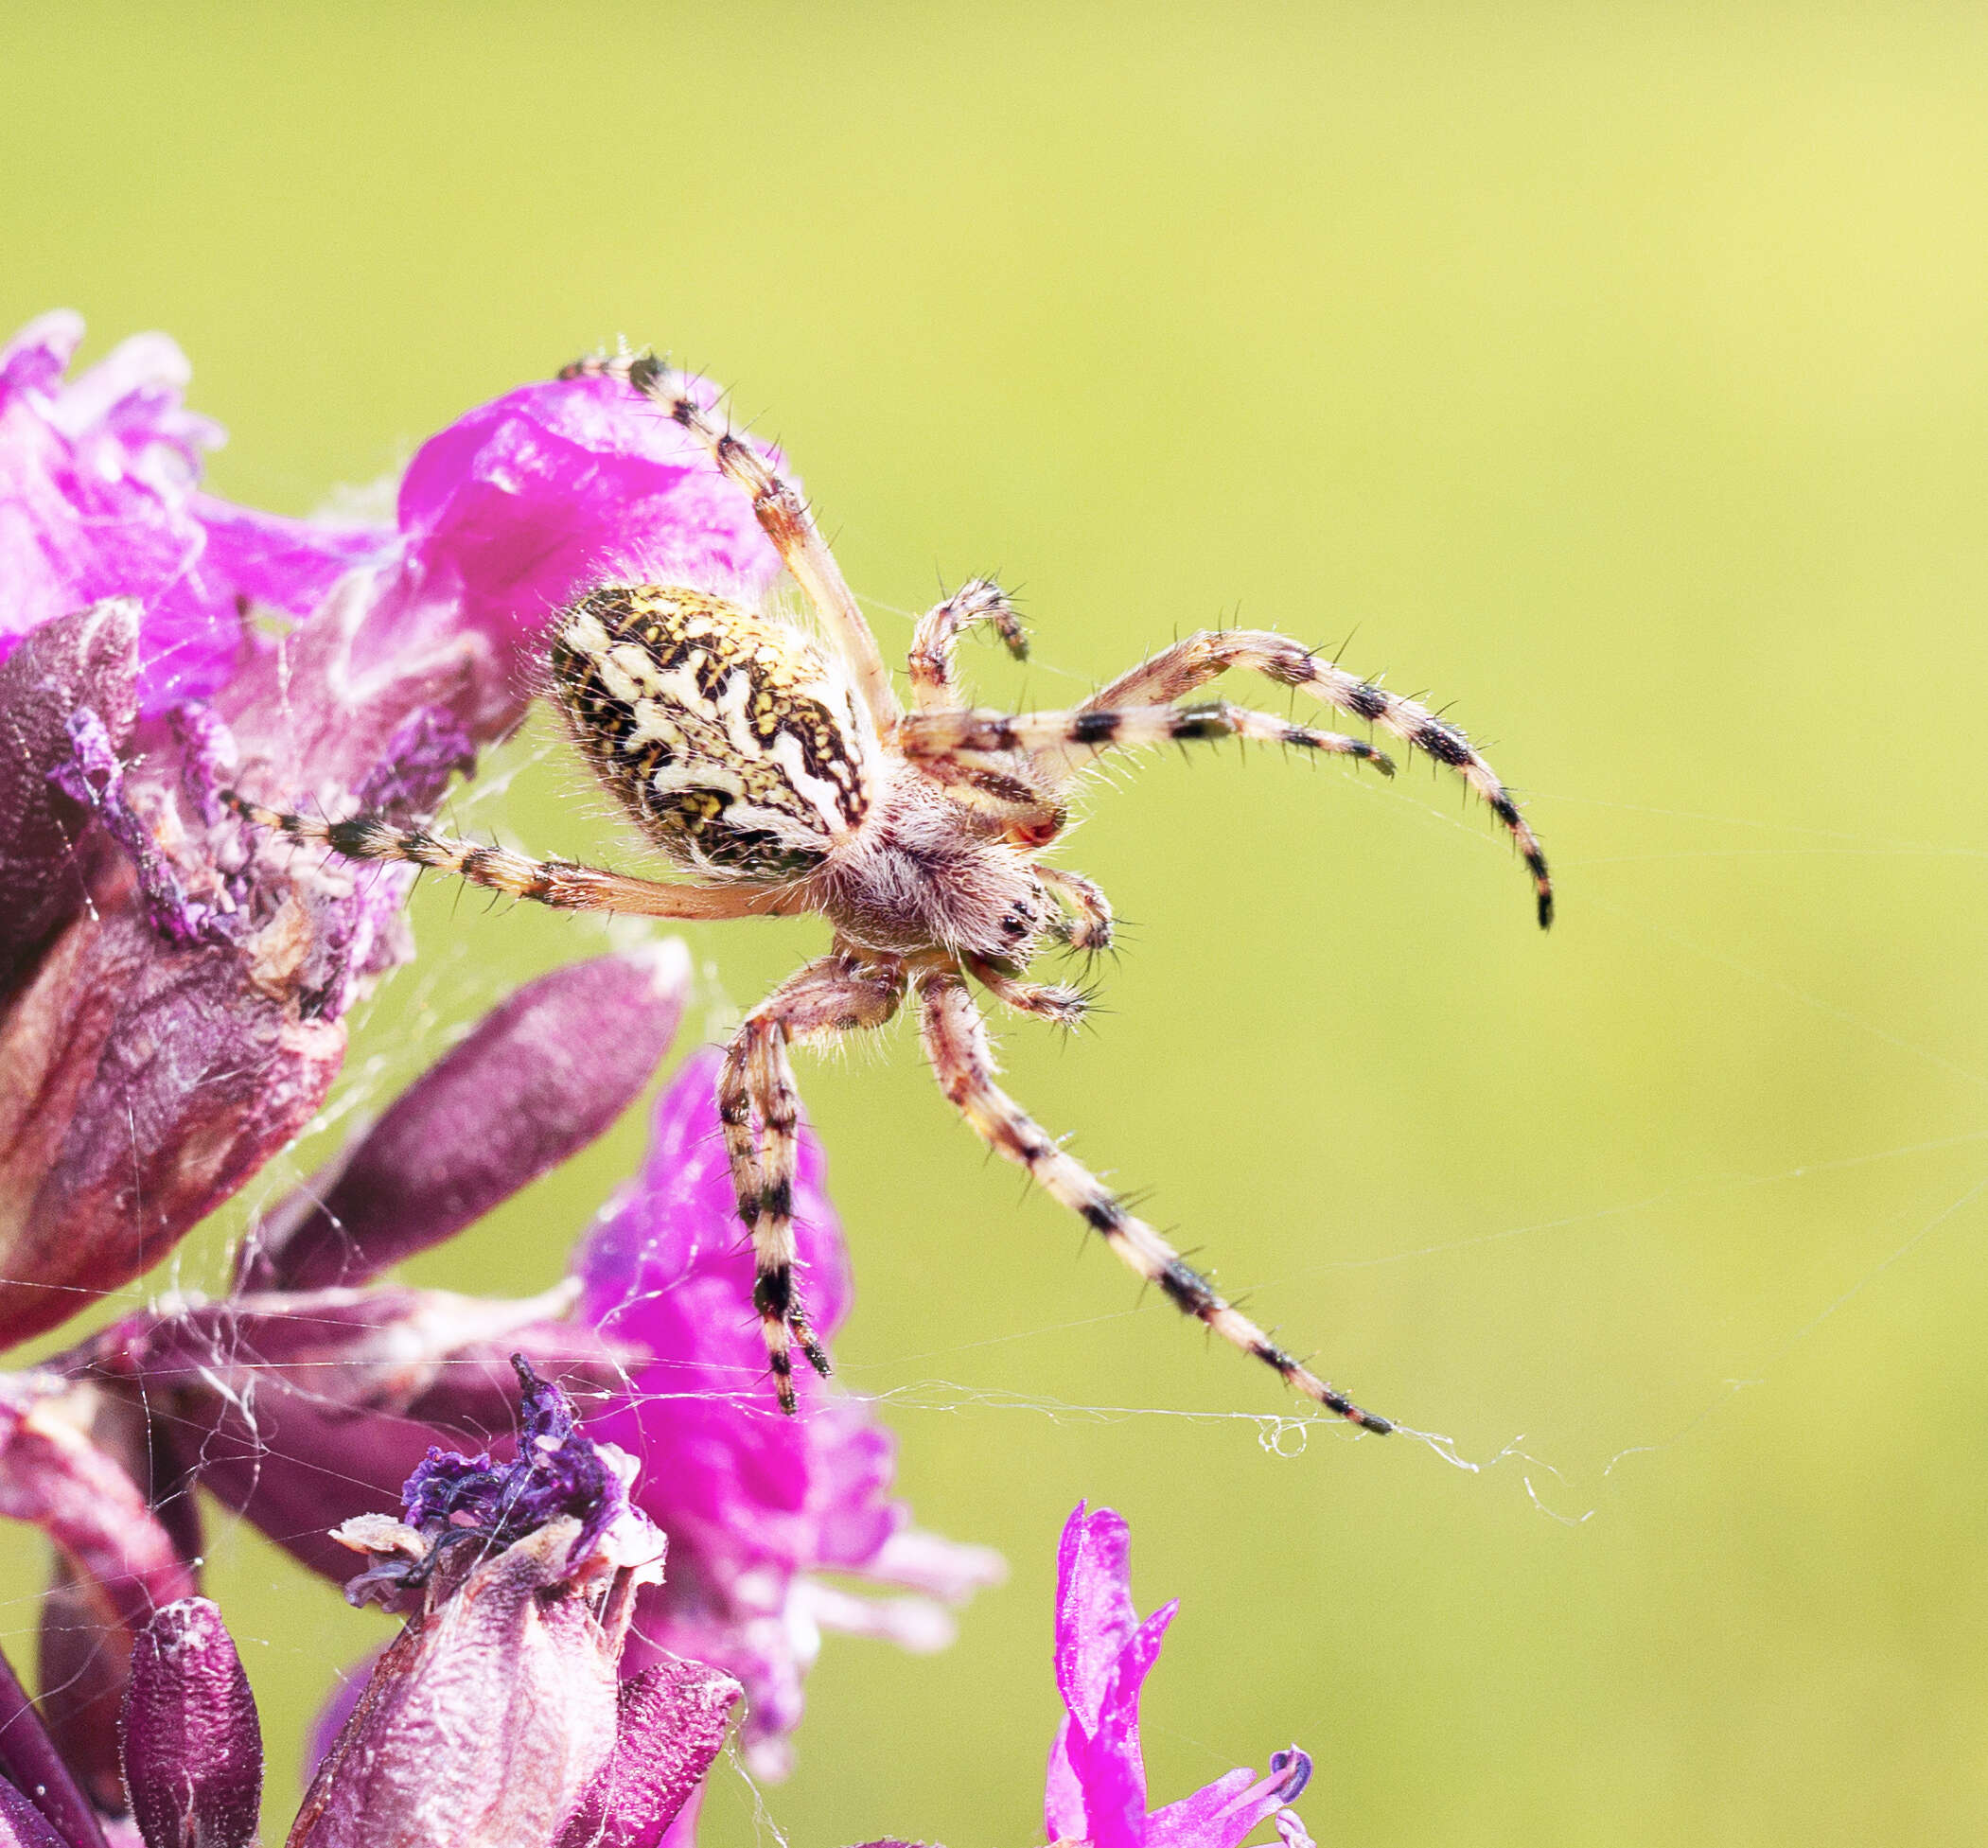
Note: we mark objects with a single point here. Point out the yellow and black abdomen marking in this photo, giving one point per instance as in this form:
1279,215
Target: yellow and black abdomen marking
736,744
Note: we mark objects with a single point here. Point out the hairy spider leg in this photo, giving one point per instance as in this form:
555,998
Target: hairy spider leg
1090,922
780,511
1031,815
759,1106
956,1043
564,885
1191,663
943,735
930,662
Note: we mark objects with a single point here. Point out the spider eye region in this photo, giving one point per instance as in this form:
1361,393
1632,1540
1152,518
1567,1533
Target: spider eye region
730,738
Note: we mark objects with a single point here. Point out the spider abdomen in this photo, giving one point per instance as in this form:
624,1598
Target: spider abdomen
734,743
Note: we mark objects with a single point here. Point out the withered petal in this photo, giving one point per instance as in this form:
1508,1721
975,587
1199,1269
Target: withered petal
140,1085
88,660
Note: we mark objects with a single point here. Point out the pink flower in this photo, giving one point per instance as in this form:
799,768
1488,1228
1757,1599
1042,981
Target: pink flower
100,496
1096,1792
758,1507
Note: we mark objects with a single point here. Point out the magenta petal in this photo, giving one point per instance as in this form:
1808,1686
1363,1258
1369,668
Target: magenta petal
667,1269
286,564
1065,1817
1221,1814
99,479
672,1721
538,1077
528,500
1108,1761
192,1741
1095,1616
755,1504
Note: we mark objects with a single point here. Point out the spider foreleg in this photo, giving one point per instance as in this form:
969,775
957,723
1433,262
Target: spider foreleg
1175,672
759,1106
564,885
930,662
1084,733
956,1043
780,509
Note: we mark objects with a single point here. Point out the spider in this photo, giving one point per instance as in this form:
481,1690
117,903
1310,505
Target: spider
787,777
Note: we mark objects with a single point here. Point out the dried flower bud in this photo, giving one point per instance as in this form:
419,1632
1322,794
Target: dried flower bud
192,1742
491,1715
140,1085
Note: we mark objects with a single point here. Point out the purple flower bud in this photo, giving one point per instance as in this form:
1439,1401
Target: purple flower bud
22,1825
84,662
540,1077
192,1742
671,1723
32,1771
73,1463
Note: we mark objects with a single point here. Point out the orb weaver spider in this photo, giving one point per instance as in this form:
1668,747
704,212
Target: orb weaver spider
787,777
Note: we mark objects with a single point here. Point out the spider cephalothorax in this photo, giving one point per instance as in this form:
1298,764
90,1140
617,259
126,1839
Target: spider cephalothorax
781,770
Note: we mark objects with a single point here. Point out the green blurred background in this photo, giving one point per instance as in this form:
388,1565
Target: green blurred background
1617,373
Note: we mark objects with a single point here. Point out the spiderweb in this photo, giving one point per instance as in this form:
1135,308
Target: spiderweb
1565,1440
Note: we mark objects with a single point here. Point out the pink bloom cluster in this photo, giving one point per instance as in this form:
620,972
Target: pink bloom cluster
1096,1784
584,1606
758,1507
